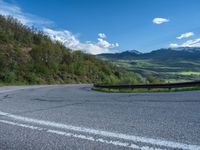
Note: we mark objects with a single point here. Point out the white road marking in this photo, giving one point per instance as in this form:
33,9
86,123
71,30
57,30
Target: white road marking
80,136
133,138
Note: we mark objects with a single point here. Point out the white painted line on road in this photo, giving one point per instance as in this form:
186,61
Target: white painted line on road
133,138
80,136
21,125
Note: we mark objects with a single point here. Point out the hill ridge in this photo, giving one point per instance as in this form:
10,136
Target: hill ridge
28,56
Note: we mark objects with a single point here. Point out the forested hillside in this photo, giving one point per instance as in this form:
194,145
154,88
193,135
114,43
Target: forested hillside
27,56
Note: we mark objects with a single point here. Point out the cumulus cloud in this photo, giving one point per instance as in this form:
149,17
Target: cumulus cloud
189,43
71,41
185,35
160,20
64,37
8,9
102,35
106,44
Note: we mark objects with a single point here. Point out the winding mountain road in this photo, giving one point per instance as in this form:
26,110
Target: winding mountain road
74,117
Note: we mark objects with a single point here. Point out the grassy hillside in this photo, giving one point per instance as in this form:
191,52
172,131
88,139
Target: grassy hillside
27,56
167,64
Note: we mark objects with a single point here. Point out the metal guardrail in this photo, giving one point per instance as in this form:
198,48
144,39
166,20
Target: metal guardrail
150,86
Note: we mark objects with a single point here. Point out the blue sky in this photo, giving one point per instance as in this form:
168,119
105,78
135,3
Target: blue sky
98,26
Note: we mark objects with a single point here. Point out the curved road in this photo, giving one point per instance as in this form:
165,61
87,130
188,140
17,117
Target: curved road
75,117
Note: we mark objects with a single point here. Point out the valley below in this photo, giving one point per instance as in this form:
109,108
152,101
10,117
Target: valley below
161,65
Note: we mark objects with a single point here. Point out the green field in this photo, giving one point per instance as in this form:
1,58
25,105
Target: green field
189,73
170,71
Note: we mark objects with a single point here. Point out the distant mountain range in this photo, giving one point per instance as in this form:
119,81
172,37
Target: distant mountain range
171,64
165,53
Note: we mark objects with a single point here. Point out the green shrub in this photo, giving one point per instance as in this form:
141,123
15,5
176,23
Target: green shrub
31,78
9,77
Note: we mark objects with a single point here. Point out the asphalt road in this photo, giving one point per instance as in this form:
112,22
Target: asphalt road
75,117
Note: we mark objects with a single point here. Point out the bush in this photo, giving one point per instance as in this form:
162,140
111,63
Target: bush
9,77
31,78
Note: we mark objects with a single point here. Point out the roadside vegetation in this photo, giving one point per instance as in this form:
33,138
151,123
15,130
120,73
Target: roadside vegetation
27,56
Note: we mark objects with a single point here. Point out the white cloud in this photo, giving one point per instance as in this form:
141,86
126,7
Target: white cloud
8,9
173,45
185,35
189,43
102,35
106,44
160,20
71,41
64,37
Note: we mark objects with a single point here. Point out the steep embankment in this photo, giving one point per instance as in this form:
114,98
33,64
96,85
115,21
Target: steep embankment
28,56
